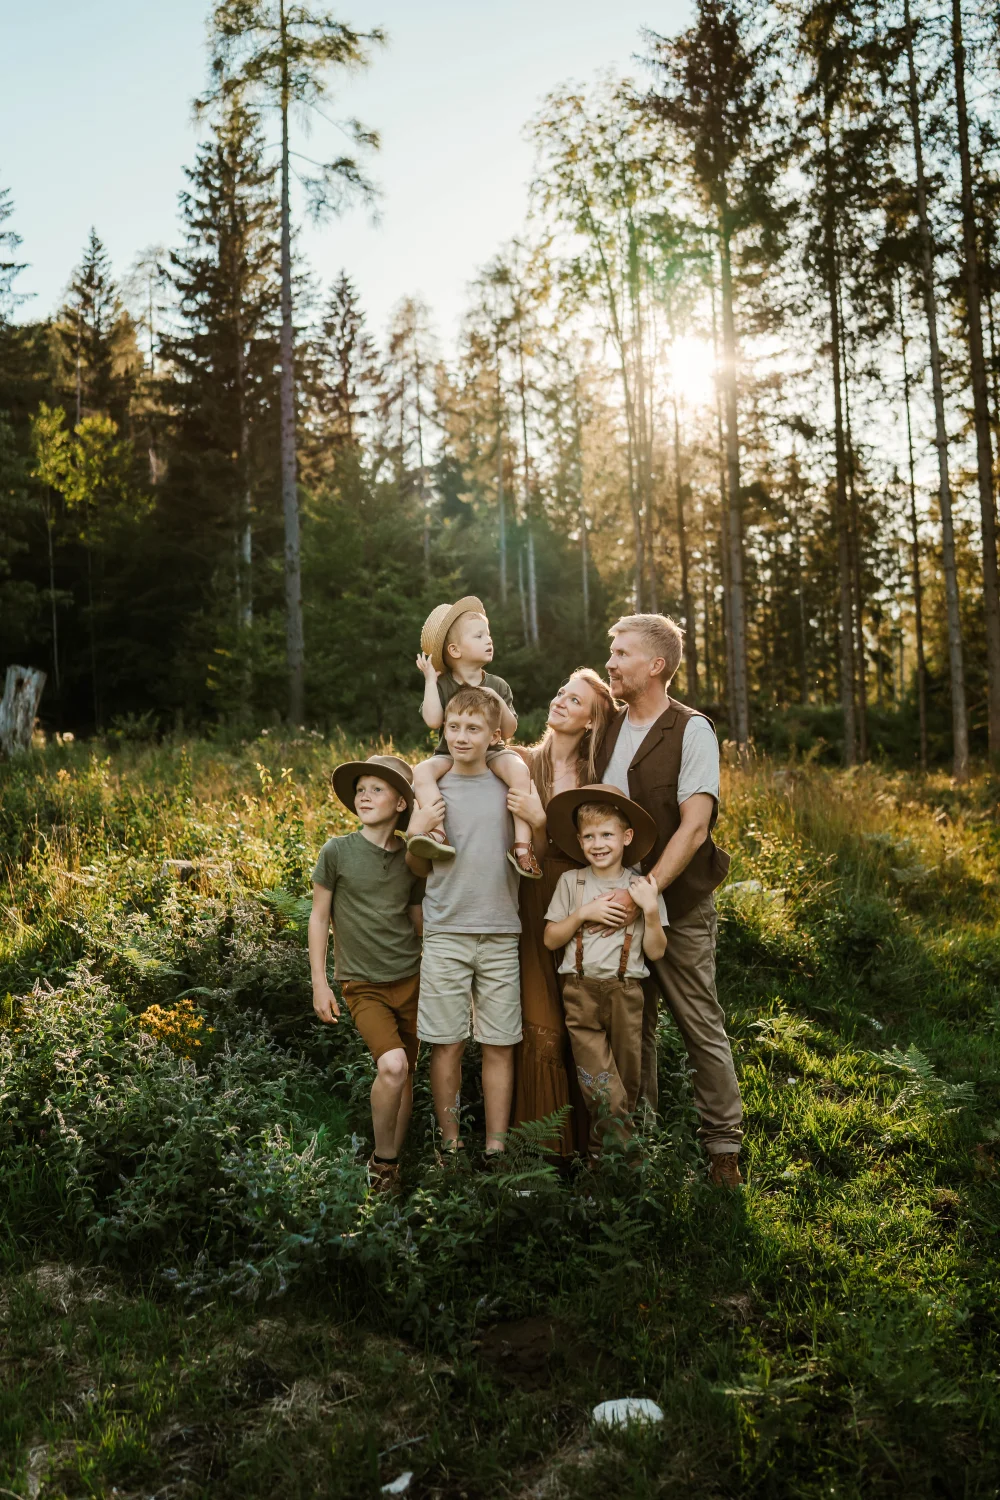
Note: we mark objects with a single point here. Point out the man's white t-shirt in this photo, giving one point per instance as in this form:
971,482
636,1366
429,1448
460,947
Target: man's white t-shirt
699,771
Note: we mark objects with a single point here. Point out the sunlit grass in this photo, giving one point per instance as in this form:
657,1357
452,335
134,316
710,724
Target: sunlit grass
831,1332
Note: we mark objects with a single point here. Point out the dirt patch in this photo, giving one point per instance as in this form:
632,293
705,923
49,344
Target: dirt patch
534,1352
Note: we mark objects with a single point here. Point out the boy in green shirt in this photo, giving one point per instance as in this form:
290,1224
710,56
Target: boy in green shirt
362,886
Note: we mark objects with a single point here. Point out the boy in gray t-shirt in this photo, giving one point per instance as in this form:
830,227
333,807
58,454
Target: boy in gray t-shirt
469,970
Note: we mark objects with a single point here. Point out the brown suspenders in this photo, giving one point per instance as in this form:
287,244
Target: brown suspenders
626,941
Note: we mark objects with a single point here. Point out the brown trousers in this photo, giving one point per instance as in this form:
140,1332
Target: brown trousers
604,1020
685,976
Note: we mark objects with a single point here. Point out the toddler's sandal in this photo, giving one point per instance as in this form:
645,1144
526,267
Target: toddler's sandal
424,847
531,869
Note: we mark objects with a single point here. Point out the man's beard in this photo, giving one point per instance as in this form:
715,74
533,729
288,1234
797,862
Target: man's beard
627,688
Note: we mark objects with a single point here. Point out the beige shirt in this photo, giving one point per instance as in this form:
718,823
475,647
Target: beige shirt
602,948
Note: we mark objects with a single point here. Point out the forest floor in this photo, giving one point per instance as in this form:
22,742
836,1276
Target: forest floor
196,1299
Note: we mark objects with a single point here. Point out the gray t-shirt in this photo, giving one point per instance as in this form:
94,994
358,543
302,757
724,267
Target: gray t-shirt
699,770
477,890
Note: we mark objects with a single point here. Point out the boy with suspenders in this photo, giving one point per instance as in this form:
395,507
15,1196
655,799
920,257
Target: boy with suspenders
606,918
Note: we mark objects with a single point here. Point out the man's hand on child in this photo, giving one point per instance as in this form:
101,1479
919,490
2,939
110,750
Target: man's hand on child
425,665
325,1004
645,893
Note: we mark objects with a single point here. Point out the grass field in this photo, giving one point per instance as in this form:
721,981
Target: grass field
197,1300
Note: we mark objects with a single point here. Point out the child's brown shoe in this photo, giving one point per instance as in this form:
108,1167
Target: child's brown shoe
383,1178
522,857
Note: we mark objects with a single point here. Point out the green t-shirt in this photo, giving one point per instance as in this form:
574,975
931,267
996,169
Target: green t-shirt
448,686
373,937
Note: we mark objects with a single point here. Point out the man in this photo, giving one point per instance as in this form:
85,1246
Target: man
666,757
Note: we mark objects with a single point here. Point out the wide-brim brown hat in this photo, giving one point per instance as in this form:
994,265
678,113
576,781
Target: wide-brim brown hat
390,768
439,622
563,808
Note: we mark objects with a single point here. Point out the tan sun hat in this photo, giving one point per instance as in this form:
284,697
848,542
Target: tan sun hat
439,622
564,806
390,768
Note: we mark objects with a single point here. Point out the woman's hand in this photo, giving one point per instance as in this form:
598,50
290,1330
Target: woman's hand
427,667
528,805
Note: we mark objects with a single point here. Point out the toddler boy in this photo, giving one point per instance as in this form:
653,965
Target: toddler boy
471,927
605,918
363,885
455,650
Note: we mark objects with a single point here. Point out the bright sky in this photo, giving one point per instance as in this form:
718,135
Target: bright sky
95,117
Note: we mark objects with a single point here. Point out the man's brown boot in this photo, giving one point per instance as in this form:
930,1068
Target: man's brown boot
725,1169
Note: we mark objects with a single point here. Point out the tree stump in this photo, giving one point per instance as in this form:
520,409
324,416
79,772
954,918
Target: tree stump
22,694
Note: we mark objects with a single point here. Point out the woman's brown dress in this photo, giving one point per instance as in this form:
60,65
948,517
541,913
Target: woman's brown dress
544,1074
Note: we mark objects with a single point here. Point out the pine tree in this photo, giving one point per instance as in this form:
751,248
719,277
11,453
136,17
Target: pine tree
714,94
980,393
348,377
222,359
96,340
956,660
283,53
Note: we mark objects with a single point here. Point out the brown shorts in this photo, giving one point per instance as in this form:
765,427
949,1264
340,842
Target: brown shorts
385,1014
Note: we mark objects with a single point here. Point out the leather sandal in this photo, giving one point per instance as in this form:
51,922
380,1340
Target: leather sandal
424,847
383,1177
531,869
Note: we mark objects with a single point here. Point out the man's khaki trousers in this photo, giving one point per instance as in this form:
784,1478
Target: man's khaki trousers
685,976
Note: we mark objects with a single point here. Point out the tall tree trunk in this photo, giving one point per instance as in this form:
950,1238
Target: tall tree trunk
918,597
584,542
737,590
532,583
49,523
959,718
294,638
501,518
854,535
980,395
611,301
690,636
524,598
803,641
727,629
840,457
643,425
424,498
532,590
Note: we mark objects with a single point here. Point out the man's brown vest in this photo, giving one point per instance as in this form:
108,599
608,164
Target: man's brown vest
652,782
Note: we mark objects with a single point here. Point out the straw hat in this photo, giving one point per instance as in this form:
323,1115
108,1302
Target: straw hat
390,768
563,808
439,622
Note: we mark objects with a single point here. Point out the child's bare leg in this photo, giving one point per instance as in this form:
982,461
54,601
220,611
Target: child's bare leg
426,776
512,771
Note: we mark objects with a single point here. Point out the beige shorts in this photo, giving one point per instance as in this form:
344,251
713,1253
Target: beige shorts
470,976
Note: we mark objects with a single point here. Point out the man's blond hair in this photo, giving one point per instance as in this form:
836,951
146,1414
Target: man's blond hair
472,700
660,636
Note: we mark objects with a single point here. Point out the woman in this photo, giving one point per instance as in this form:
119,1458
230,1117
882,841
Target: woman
564,757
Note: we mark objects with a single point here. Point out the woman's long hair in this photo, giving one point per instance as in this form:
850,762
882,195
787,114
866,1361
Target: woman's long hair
539,755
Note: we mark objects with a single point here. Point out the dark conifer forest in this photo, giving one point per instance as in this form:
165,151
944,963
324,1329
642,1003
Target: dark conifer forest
739,364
